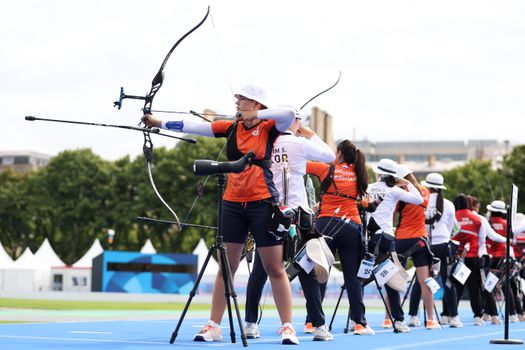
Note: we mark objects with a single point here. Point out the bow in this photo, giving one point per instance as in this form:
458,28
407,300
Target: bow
156,84
322,92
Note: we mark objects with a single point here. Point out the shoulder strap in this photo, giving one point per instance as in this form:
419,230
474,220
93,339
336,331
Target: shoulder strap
328,180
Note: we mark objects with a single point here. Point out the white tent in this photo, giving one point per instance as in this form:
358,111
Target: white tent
148,248
47,256
77,278
94,251
26,274
202,251
5,259
5,263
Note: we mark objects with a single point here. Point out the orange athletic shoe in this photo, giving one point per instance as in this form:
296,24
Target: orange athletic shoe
308,328
359,329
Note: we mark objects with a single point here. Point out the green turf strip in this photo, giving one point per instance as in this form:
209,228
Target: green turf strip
94,305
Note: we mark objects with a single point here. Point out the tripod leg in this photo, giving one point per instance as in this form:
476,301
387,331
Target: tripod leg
192,293
437,313
230,292
336,307
347,328
410,285
379,288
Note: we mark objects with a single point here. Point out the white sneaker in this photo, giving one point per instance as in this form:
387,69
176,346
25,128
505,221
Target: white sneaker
288,335
454,322
486,317
321,333
252,330
401,326
359,329
478,321
495,320
521,317
210,332
513,318
444,320
414,321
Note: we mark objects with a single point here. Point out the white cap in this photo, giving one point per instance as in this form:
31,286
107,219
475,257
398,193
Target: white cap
497,206
402,170
253,92
434,180
386,167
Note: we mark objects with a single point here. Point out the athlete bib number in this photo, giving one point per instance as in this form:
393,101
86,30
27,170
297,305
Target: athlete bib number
490,282
304,261
385,271
365,269
461,272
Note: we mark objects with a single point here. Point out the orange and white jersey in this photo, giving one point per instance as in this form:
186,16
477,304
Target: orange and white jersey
254,183
389,196
346,182
412,218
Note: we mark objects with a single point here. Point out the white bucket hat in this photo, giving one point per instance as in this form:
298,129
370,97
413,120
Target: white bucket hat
253,92
434,180
497,206
386,167
319,252
402,170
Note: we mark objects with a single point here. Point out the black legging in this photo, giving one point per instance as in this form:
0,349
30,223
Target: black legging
349,243
312,290
490,298
473,284
450,304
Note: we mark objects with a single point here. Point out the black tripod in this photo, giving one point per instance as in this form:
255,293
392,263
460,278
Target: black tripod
362,214
205,167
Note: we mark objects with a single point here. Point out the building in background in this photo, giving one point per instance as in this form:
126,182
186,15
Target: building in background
424,157
23,161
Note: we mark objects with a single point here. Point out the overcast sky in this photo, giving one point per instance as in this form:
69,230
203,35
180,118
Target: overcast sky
411,70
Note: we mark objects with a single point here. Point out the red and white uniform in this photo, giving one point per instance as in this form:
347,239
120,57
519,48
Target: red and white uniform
470,225
497,249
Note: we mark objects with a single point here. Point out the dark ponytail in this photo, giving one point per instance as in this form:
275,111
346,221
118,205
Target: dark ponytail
439,202
352,155
389,180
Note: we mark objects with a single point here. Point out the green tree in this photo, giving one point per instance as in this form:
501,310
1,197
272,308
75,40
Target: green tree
15,229
476,178
69,204
513,171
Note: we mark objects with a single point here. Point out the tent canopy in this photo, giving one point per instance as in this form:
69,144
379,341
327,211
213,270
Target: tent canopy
47,256
28,261
148,248
94,251
201,250
5,260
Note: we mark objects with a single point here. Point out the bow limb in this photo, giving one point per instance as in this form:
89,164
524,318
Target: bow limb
322,92
156,84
